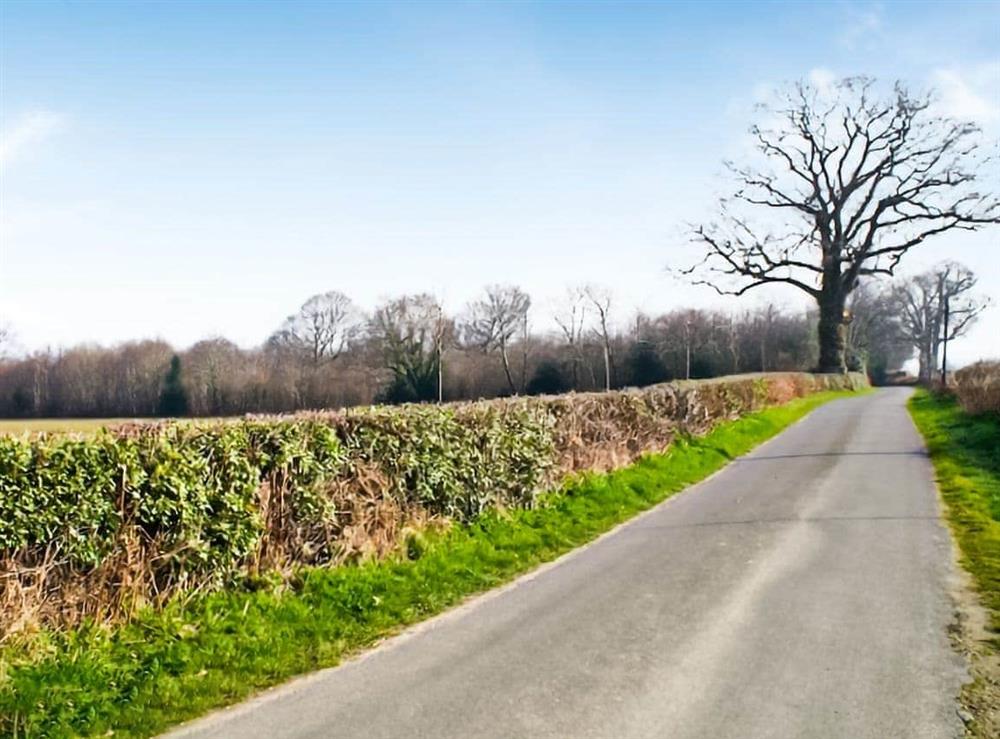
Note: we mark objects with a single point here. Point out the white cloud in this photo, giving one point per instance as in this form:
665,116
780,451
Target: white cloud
863,27
971,94
26,131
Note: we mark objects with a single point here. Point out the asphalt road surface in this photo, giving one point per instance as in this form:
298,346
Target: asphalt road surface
801,592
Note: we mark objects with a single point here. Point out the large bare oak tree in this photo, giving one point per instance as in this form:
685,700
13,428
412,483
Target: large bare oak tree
849,180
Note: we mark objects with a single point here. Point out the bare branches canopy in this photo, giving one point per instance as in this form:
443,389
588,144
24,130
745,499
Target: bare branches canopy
408,349
410,331
847,181
494,320
936,306
322,328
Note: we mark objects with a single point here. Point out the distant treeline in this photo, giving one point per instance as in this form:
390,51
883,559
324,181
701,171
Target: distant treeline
330,354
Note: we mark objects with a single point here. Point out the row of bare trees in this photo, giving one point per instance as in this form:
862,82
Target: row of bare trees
330,353
918,316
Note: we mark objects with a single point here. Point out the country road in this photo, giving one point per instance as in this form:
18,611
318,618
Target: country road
801,592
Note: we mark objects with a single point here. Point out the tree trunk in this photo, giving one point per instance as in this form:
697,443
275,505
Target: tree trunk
832,333
607,368
925,367
933,363
506,369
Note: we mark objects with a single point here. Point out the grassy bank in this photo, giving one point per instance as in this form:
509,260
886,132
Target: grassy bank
177,663
965,450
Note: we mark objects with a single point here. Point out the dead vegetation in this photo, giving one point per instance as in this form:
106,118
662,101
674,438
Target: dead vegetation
978,387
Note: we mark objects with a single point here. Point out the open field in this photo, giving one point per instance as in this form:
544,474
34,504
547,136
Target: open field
71,425
76,425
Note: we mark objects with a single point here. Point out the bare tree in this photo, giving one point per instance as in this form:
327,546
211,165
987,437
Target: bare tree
134,374
5,340
925,301
763,323
850,181
600,301
214,368
398,359
732,333
493,321
322,328
571,317
410,332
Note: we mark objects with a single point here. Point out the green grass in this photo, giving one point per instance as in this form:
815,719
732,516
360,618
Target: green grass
172,665
965,451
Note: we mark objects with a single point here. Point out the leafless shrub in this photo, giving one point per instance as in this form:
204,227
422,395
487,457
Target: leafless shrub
978,387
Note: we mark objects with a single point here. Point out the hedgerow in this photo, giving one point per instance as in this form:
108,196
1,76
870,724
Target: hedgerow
978,387
93,527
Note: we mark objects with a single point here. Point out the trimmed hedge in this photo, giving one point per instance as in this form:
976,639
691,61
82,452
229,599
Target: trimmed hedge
95,526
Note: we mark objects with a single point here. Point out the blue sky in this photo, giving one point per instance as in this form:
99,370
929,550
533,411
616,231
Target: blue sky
188,169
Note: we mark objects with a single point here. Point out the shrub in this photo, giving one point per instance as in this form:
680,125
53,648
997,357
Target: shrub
93,527
548,379
978,387
643,366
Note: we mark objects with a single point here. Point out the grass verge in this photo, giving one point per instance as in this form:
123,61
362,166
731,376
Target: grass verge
168,666
965,451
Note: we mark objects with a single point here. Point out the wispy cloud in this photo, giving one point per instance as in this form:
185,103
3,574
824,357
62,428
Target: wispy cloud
27,131
863,26
970,93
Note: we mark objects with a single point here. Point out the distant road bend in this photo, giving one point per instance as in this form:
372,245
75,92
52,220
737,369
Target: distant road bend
801,592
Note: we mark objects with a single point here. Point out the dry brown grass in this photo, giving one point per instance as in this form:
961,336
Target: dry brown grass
978,387
19,426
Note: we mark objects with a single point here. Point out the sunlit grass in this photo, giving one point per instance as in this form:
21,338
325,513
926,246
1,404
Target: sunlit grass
52,425
965,451
76,425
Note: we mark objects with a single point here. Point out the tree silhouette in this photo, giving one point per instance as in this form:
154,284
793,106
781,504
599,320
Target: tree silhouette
850,182
173,397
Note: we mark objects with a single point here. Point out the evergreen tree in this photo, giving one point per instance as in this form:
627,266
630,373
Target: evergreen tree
173,397
643,365
548,379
